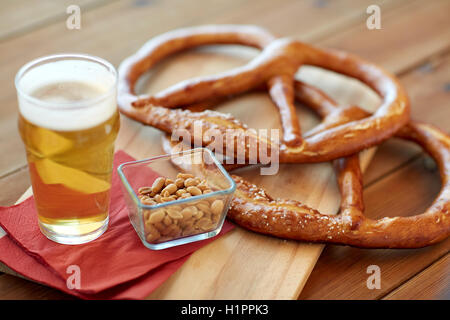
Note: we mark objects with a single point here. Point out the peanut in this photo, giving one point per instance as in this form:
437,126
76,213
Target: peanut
198,215
217,207
158,184
187,212
145,190
184,175
167,182
167,221
204,224
170,188
152,234
157,216
179,182
190,182
193,191
174,214
148,201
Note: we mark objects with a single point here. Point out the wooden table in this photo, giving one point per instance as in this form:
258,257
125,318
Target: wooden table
413,43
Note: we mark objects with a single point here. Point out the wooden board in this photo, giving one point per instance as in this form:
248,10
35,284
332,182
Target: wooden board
245,265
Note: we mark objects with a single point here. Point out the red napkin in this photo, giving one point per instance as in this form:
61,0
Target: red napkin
116,265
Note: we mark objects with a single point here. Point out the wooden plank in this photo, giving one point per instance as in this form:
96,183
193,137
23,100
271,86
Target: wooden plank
12,185
150,19
308,21
19,16
405,192
408,36
431,284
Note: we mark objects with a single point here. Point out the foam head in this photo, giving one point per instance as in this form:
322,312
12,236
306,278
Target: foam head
67,93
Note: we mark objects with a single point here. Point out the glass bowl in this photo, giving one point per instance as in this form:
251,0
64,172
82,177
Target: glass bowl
176,219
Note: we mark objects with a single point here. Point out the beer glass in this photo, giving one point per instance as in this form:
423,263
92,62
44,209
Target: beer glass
68,121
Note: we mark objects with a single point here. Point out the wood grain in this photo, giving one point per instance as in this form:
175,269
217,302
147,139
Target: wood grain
20,16
432,283
408,35
403,45
150,19
13,184
407,191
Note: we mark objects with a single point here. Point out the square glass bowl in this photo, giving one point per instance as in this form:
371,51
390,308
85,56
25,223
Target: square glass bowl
178,221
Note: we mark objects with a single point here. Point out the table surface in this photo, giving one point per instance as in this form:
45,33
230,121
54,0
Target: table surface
413,43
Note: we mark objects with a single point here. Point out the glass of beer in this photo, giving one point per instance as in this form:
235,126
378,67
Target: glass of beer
68,120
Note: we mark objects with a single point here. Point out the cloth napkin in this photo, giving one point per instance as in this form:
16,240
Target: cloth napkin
115,266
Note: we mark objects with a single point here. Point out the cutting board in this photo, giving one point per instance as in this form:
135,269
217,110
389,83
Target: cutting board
243,264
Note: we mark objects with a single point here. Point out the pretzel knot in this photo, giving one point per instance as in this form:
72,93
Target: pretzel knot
343,132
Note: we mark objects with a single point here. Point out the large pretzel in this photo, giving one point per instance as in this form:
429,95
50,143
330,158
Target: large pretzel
251,206
274,67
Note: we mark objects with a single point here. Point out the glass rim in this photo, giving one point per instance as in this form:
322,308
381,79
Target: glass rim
67,105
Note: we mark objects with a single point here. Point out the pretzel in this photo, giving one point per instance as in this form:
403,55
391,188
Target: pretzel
252,208
274,67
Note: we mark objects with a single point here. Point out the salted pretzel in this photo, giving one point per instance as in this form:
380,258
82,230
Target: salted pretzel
252,208
274,67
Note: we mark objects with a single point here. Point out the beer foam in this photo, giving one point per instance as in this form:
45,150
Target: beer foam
67,95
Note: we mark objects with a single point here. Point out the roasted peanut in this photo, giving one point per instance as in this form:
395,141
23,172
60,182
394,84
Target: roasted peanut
148,201
167,221
203,185
198,215
217,206
174,214
152,234
184,175
180,192
204,224
164,194
158,184
170,188
157,216
187,223
170,230
167,182
145,190
190,230
179,182
160,226
190,182
187,212
193,191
